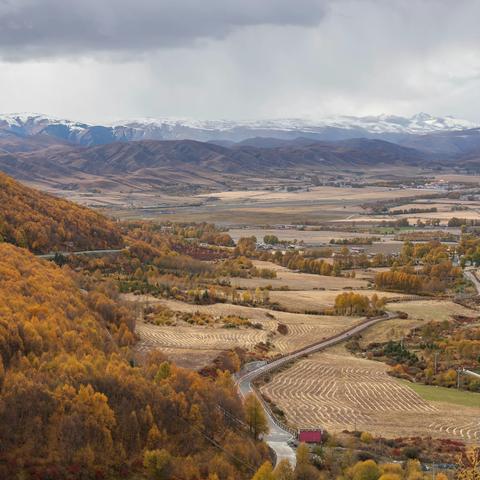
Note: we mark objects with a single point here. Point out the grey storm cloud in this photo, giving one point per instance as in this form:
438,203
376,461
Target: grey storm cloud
109,59
46,28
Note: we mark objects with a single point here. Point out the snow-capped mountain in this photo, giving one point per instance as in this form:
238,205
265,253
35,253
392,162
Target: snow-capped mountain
386,127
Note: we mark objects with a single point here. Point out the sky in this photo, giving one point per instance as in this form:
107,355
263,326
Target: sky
106,60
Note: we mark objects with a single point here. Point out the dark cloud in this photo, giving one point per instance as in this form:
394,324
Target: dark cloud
39,28
102,59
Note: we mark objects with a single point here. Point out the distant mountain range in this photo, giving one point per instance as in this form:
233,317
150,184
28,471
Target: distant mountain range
383,127
175,156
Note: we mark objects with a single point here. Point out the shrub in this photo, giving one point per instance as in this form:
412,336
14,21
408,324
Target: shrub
366,437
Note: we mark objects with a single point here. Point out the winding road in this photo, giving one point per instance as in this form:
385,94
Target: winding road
470,275
278,437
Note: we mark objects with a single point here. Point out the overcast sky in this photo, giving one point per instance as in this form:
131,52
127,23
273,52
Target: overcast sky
101,60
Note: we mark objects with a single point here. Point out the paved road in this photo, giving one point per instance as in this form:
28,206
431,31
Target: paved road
278,437
469,372
84,252
470,275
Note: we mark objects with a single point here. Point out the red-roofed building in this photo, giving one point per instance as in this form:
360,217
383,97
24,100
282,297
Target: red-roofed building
310,436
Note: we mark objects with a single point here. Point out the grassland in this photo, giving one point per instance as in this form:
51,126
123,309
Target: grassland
444,395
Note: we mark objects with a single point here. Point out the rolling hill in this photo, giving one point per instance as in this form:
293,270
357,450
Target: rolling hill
43,223
186,166
447,144
192,162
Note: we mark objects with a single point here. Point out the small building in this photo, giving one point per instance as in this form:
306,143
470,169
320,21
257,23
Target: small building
310,436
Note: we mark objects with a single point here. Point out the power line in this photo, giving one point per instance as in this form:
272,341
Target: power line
217,445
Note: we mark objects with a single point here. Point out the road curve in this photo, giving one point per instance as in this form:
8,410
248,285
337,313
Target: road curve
278,437
470,275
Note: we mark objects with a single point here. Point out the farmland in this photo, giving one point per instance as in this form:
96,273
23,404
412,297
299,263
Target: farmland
259,207
435,310
285,278
313,300
333,389
302,330
336,391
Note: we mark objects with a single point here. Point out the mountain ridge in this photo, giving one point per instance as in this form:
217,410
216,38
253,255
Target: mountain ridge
121,158
385,127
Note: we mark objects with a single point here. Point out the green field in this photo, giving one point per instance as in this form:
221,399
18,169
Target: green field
445,395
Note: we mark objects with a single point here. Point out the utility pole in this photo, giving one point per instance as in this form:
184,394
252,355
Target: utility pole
459,371
435,356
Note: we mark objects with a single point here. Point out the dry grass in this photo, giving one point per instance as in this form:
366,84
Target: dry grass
389,330
295,280
336,391
431,310
312,300
315,194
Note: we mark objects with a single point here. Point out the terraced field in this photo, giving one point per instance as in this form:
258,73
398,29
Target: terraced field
336,391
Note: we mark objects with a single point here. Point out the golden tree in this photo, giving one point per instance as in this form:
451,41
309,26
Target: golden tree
469,465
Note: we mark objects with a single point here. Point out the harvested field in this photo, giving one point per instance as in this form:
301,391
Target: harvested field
389,247
296,280
432,310
455,177
336,391
389,330
312,300
323,193
369,273
198,338
443,215
302,329
310,237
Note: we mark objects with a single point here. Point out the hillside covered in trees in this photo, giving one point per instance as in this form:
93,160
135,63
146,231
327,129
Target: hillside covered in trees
43,223
74,402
